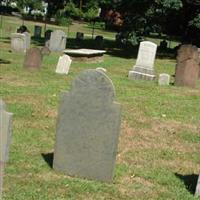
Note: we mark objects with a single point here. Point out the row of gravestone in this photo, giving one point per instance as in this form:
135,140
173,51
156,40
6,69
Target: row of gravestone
55,41
187,68
87,132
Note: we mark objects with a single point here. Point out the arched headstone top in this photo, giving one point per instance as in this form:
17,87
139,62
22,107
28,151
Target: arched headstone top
94,83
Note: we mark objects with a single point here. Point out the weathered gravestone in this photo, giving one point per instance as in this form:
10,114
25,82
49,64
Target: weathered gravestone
20,42
33,58
187,68
88,128
63,65
79,36
5,139
99,42
164,79
57,41
144,67
37,31
197,192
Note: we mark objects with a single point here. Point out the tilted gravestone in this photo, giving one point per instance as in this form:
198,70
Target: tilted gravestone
63,65
20,42
5,138
164,79
144,67
88,128
197,192
57,41
37,31
187,68
33,59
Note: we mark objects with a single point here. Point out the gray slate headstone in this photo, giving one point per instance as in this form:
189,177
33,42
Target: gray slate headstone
88,128
5,139
57,41
144,67
197,192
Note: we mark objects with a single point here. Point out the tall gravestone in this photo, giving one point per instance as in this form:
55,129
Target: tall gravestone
5,139
187,68
20,42
88,128
63,65
144,67
33,58
197,192
37,31
57,41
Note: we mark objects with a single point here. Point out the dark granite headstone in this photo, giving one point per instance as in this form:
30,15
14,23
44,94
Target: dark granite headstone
79,36
88,128
37,31
33,58
99,42
187,68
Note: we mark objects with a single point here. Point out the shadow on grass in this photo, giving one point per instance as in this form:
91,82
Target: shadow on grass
2,61
48,158
189,180
38,41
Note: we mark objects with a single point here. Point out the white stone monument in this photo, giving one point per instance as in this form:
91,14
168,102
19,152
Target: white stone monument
20,42
144,67
63,65
57,41
197,192
164,79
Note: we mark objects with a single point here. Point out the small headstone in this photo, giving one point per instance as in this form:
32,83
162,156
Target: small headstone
5,139
45,51
57,41
79,36
33,58
20,42
63,65
197,192
99,42
187,68
144,67
37,31
88,128
164,79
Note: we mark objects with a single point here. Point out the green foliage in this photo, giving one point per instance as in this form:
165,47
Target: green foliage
72,11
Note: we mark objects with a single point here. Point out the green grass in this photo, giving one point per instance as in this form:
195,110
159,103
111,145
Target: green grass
160,133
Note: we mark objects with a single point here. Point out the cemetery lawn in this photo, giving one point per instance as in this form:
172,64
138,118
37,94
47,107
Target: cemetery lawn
159,146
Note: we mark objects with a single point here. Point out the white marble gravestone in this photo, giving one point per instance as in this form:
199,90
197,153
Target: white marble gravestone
164,79
88,128
57,41
197,192
5,139
20,42
63,65
144,67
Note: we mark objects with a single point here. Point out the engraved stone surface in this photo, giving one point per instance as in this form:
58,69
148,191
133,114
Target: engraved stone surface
33,58
164,79
187,68
88,128
144,67
37,31
5,139
63,65
57,41
197,192
20,42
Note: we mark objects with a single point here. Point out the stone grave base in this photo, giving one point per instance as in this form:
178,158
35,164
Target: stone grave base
88,59
140,76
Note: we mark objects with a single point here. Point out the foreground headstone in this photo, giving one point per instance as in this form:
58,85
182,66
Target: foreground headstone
33,58
37,31
197,192
88,128
63,65
164,79
187,68
57,41
144,67
20,42
5,139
